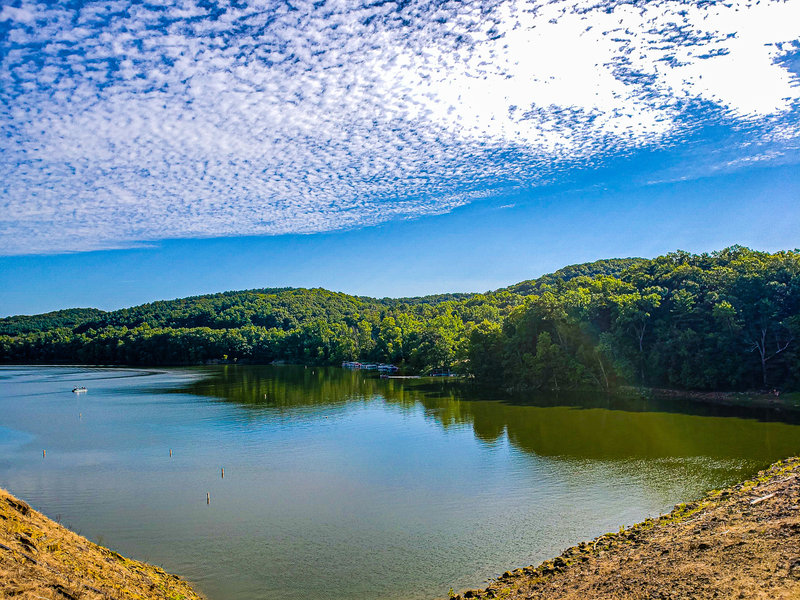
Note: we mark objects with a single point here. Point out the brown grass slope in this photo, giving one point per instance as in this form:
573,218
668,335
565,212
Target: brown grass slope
41,559
742,542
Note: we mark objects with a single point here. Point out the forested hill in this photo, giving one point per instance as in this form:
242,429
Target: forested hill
70,317
724,320
207,309
611,266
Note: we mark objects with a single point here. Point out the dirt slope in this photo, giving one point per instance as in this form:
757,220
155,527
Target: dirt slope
743,542
43,560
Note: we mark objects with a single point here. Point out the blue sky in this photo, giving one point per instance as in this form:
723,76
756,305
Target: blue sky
390,148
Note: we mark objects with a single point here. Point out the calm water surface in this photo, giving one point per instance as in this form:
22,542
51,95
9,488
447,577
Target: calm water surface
341,485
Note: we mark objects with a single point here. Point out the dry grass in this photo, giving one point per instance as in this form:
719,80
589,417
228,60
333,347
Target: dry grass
743,542
40,559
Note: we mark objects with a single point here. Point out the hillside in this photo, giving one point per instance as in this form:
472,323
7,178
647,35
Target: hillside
41,559
727,320
612,266
69,318
195,311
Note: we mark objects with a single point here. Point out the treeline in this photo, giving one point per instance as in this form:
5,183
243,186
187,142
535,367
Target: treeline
67,318
724,320
295,325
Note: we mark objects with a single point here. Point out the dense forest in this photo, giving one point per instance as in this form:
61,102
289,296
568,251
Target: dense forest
722,320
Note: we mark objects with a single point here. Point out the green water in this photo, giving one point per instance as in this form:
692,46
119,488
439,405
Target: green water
339,484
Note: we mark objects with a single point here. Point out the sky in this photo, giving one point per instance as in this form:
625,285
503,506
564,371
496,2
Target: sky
160,150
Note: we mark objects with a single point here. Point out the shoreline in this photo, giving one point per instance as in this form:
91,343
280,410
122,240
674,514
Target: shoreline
738,542
789,401
40,558
695,551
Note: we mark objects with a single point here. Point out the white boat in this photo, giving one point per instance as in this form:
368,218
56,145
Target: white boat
79,389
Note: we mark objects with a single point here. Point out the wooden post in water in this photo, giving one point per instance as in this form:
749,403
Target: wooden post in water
223,472
44,453
208,498
170,452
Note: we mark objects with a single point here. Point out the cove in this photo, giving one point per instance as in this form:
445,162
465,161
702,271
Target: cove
339,484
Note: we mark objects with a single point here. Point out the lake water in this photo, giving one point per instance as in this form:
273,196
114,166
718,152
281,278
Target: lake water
339,484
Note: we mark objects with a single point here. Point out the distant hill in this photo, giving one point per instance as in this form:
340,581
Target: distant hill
611,266
207,310
723,320
69,317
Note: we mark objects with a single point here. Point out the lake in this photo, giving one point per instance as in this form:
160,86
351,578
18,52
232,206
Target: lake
340,484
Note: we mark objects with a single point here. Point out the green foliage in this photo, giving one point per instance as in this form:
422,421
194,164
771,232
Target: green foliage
70,317
612,267
725,320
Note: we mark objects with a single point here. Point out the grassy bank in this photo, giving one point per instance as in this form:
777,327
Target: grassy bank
741,542
41,559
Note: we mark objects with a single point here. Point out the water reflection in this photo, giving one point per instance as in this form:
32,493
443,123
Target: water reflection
581,426
339,484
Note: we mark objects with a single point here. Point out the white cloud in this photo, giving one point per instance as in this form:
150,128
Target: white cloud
21,14
125,122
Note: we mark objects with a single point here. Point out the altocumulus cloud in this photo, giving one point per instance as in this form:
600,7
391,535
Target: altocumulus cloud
125,122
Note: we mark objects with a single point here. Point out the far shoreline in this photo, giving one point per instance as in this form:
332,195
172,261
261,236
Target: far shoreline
788,402
749,399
